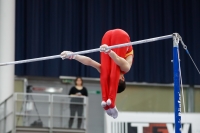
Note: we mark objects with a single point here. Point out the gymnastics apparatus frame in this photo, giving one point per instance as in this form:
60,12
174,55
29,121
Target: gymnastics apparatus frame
176,68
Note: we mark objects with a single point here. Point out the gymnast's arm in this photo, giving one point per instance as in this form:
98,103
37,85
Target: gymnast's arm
124,64
82,59
88,61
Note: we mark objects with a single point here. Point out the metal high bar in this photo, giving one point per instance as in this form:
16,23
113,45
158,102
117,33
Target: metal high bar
89,51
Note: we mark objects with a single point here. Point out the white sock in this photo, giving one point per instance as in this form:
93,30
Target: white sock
103,104
114,112
108,102
109,112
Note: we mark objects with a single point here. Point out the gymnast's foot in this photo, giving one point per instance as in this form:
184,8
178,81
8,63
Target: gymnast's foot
108,102
103,104
114,112
108,111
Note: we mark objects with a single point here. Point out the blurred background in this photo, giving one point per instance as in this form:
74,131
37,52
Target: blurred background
35,97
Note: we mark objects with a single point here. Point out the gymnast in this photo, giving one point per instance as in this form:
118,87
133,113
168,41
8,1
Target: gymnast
114,64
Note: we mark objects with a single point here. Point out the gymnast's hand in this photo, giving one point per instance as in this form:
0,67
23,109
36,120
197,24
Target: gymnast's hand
104,48
66,55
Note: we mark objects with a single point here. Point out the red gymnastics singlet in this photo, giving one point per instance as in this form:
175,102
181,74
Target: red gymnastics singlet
110,71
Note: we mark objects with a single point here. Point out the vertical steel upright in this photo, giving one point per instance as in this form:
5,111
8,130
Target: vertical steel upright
177,96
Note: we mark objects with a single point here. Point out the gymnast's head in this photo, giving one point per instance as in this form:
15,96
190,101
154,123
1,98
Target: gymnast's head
121,84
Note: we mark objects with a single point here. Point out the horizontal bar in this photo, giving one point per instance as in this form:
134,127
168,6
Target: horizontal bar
88,51
30,60
142,41
44,95
30,94
33,129
36,101
47,129
43,115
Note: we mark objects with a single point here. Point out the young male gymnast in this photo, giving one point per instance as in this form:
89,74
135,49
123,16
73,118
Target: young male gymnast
114,64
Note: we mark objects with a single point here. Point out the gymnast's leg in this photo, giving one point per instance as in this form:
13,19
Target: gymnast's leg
118,37
105,70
